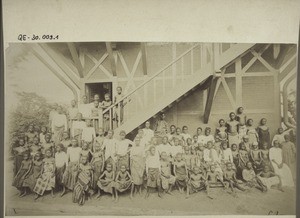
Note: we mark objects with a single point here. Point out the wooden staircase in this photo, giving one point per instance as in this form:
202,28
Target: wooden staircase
174,82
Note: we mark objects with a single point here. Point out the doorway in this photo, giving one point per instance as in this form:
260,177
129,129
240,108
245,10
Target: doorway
98,88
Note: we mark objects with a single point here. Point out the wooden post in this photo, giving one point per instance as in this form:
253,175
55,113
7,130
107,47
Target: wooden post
75,57
238,82
144,58
210,98
111,58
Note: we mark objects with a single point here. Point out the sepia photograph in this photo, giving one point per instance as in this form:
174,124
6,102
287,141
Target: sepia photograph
150,128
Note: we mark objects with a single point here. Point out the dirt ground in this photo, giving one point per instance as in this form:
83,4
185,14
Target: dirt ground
253,202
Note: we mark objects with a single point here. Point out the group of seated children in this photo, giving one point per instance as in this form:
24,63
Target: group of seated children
238,156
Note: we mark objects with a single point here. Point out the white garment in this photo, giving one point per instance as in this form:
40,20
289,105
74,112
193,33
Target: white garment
137,151
72,112
42,138
208,138
73,154
88,133
51,114
210,155
279,138
185,136
110,148
175,150
59,120
122,146
61,159
284,173
148,134
226,155
164,148
77,125
85,109
152,162
201,139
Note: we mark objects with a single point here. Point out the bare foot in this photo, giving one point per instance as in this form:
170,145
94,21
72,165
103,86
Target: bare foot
36,197
147,195
22,195
170,193
210,197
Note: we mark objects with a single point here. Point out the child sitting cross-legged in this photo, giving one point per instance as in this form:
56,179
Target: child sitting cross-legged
269,179
230,177
196,182
106,181
123,181
214,178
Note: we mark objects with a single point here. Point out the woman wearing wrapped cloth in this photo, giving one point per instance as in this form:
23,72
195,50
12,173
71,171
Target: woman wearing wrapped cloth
280,168
122,150
137,165
161,127
59,125
84,180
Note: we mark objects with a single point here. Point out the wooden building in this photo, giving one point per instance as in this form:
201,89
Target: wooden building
195,84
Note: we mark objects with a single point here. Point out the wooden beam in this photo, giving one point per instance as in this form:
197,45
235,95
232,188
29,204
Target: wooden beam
238,82
209,101
75,57
288,69
111,58
56,57
281,56
38,53
144,58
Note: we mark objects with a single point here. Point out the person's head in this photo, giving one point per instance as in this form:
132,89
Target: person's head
85,146
96,104
276,143
212,168
181,142
232,116
141,133
229,166
30,128
26,155
21,142
147,124
240,110
36,141
152,150
189,141
48,153
207,131
37,129
47,138
255,145
59,109
119,90
178,157
163,156
97,147
249,165
44,129
162,116
201,147
38,156
246,138
108,167
107,97
195,138
266,168
242,146
73,103
100,131
84,159
197,170
287,138
178,131
265,146
222,122
176,141
224,145
199,131
79,116
88,122
185,129
165,140
280,130
54,106
96,97
59,147
154,141
110,134
84,99
233,147
186,150
74,143
249,122
123,168
122,134
65,135
209,144
263,121
172,129
137,141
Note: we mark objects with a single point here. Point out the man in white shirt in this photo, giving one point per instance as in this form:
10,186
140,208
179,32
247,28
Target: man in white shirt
210,155
148,133
85,108
165,147
59,125
207,137
110,147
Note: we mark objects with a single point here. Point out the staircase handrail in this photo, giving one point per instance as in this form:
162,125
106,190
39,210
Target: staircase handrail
151,78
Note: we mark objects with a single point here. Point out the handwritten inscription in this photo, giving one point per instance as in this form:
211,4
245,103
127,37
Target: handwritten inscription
24,37
275,212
